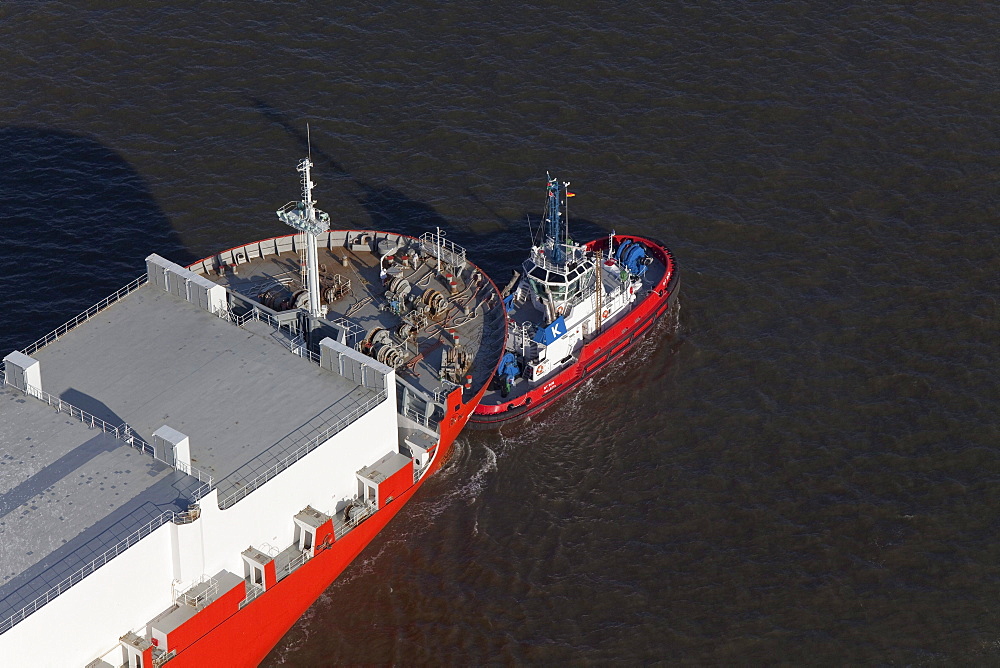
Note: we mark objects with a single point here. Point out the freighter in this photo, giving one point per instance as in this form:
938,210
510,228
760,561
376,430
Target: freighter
575,308
188,464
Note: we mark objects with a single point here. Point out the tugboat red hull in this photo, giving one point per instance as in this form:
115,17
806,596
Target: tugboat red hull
612,343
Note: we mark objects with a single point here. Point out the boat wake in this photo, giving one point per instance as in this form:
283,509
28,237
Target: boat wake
465,475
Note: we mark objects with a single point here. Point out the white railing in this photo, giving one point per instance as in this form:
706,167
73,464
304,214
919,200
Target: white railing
257,314
205,595
354,331
293,564
297,346
443,390
79,575
573,253
85,316
253,591
303,450
302,351
195,472
161,657
417,416
252,314
434,243
122,432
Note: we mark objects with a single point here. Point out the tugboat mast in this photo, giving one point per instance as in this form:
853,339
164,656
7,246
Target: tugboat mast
554,223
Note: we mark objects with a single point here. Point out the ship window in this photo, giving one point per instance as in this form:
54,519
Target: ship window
574,288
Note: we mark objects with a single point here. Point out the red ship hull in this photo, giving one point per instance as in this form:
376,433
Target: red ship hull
246,637
595,354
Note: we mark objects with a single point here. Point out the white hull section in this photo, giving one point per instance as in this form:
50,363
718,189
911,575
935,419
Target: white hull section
89,618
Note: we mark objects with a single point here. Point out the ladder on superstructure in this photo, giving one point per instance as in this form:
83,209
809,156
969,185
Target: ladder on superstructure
599,292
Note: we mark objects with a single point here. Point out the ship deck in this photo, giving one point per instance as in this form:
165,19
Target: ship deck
153,359
70,493
365,306
79,481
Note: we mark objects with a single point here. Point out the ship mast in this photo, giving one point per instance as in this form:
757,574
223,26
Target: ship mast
306,218
553,225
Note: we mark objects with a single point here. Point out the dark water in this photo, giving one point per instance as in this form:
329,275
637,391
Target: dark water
805,469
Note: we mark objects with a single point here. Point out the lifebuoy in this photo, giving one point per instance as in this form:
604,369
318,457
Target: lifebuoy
606,313
539,370
328,541
560,310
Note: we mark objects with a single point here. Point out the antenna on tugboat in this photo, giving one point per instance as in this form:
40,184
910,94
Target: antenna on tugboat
309,144
566,196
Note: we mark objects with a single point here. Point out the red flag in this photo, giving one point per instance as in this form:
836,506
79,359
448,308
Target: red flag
569,194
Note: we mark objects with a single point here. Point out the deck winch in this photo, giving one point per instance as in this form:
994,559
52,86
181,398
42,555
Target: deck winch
379,345
631,255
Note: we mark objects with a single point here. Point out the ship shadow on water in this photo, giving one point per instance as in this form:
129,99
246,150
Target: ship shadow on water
77,224
389,208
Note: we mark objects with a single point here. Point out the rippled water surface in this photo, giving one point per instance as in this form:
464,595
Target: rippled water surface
803,468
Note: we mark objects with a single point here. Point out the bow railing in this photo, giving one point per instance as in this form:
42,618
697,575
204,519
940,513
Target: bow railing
86,315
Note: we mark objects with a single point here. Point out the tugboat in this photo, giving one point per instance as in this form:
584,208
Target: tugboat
575,308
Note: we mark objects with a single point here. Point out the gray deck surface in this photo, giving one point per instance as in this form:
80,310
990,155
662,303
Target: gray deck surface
68,493
154,359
